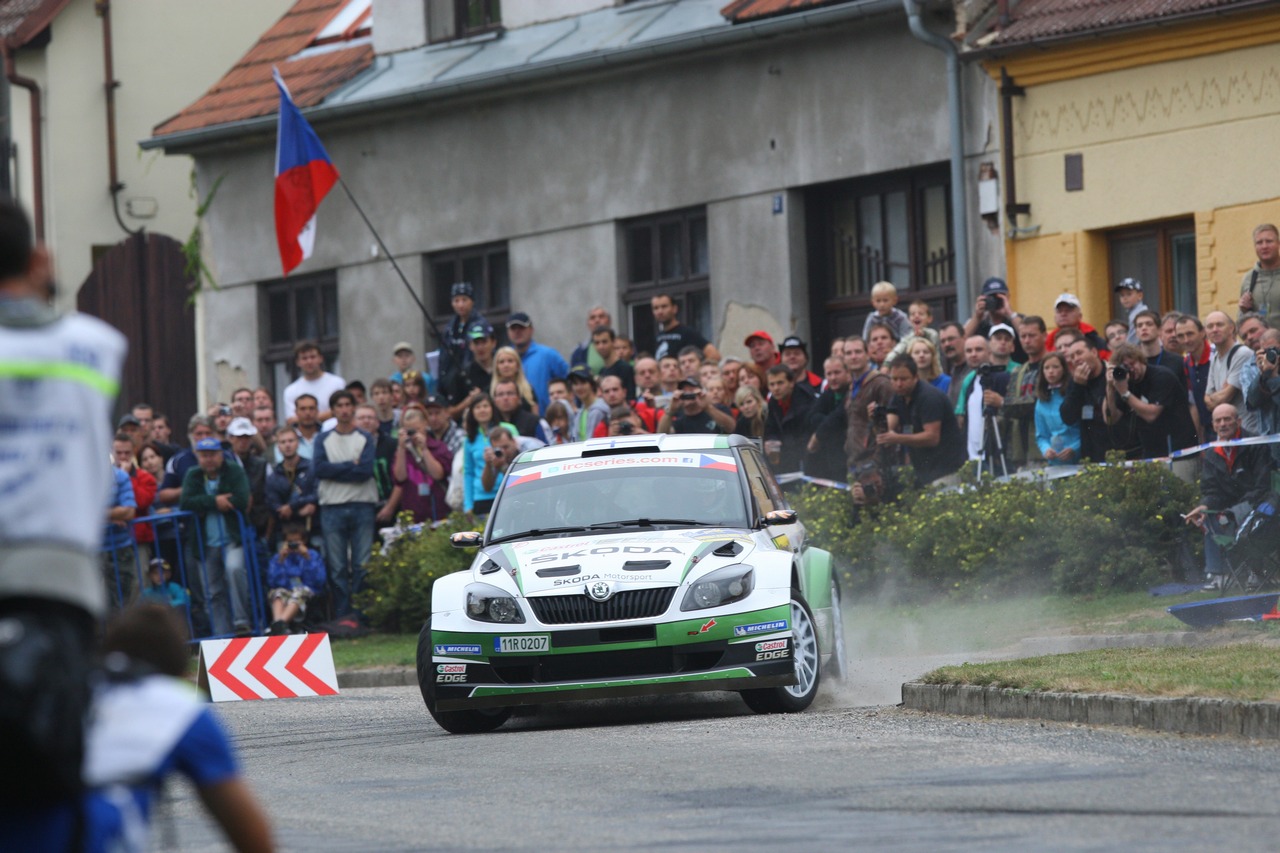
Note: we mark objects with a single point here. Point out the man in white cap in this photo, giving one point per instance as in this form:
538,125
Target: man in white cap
403,357
1067,315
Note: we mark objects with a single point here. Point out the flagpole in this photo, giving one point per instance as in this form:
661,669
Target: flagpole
392,258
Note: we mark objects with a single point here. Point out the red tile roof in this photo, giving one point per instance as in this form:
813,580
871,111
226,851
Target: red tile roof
740,11
247,90
1035,20
23,20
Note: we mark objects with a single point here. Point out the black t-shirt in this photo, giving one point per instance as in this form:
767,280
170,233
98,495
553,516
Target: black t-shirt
929,405
701,423
625,372
1173,429
679,336
458,383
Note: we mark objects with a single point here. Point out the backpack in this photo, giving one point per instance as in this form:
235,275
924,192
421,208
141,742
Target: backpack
45,694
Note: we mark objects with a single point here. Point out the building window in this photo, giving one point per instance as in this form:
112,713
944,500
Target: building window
1161,256
669,254
454,19
303,307
894,227
487,269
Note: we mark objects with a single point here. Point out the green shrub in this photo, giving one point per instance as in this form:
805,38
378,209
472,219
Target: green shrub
397,594
1109,528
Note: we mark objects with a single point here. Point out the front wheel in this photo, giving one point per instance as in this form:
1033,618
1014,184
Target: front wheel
837,668
804,651
467,722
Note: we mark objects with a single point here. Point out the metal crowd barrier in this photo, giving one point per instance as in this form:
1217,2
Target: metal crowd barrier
174,524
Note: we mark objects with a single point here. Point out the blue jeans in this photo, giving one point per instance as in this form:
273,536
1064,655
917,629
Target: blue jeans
227,592
348,539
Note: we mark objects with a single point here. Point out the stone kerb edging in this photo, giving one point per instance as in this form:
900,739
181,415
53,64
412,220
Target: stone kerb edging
1190,715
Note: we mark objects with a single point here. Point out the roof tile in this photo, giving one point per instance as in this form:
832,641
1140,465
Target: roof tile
247,90
741,11
1033,20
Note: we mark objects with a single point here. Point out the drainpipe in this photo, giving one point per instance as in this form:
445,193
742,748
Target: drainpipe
959,208
37,139
109,86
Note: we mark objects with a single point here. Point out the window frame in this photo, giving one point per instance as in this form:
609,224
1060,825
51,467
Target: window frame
1164,232
693,281
442,309
325,286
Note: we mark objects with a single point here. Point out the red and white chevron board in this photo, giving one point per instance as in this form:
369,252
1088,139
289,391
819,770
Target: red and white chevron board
268,667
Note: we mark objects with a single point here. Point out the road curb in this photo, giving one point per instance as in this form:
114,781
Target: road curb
384,676
1188,715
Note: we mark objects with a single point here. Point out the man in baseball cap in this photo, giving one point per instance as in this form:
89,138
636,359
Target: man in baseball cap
1067,315
455,356
991,308
763,350
795,355
403,356
1129,292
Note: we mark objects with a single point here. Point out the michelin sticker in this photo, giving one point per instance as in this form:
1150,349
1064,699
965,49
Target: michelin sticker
456,649
759,628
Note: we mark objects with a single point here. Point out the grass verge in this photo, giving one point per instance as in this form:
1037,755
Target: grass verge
375,650
1246,671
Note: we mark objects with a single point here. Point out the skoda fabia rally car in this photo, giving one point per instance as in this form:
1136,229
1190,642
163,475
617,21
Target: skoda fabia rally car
632,565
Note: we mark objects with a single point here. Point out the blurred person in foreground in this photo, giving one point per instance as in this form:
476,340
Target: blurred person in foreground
59,376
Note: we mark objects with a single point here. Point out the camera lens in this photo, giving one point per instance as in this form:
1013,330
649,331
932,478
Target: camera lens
1273,355
1120,372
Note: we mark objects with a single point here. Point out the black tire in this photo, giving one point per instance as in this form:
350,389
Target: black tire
804,649
837,668
455,722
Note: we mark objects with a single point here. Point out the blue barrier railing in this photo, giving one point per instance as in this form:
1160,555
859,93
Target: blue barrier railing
178,527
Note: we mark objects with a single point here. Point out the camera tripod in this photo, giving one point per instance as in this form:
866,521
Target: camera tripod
991,436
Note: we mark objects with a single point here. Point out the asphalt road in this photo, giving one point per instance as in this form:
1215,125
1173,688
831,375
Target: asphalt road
370,771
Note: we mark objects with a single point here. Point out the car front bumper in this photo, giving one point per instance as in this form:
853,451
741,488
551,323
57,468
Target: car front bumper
736,651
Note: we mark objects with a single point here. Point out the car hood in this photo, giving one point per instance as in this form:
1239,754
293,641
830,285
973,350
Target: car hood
637,559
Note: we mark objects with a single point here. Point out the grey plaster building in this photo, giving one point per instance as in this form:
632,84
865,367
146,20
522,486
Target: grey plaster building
765,162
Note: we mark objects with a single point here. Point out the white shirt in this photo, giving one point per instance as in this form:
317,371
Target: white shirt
321,388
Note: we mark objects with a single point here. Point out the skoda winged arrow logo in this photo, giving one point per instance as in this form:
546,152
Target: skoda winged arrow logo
599,591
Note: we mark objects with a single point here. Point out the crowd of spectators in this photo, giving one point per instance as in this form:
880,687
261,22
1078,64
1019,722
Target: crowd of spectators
1002,388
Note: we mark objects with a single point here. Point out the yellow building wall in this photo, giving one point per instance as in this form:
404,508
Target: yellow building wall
1181,123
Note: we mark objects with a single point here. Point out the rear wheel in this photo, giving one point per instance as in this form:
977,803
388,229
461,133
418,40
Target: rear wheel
804,651
467,722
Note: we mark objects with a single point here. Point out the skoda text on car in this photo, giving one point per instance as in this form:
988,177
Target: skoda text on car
632,565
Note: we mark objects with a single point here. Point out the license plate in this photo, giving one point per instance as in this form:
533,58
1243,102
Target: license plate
528,643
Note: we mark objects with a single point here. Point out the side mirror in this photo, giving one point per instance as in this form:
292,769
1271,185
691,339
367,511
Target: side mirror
466,539
778,516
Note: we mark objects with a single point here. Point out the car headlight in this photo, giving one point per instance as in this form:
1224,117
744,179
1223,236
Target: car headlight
490,604
723,586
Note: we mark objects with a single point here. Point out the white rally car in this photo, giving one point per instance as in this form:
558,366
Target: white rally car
629,565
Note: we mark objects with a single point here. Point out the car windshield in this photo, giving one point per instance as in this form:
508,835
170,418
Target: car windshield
570,495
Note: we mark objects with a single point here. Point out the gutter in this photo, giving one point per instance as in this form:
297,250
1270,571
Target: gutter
676,45
37,139
959,206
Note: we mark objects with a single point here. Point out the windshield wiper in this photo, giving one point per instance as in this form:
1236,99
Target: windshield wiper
649,522
541,531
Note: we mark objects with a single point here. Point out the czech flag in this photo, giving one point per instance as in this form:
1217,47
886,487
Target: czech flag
304,175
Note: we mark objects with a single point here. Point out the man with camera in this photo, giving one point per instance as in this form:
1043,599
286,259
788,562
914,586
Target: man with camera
1263,396
624,420
503,448
981,398
920,419
990,310
1083,402
691,412
1155,396
868,389
1233,477
614,394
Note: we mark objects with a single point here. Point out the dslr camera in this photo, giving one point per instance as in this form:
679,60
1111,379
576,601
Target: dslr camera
985,370
625,427
1120,373
1272,354
992,303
